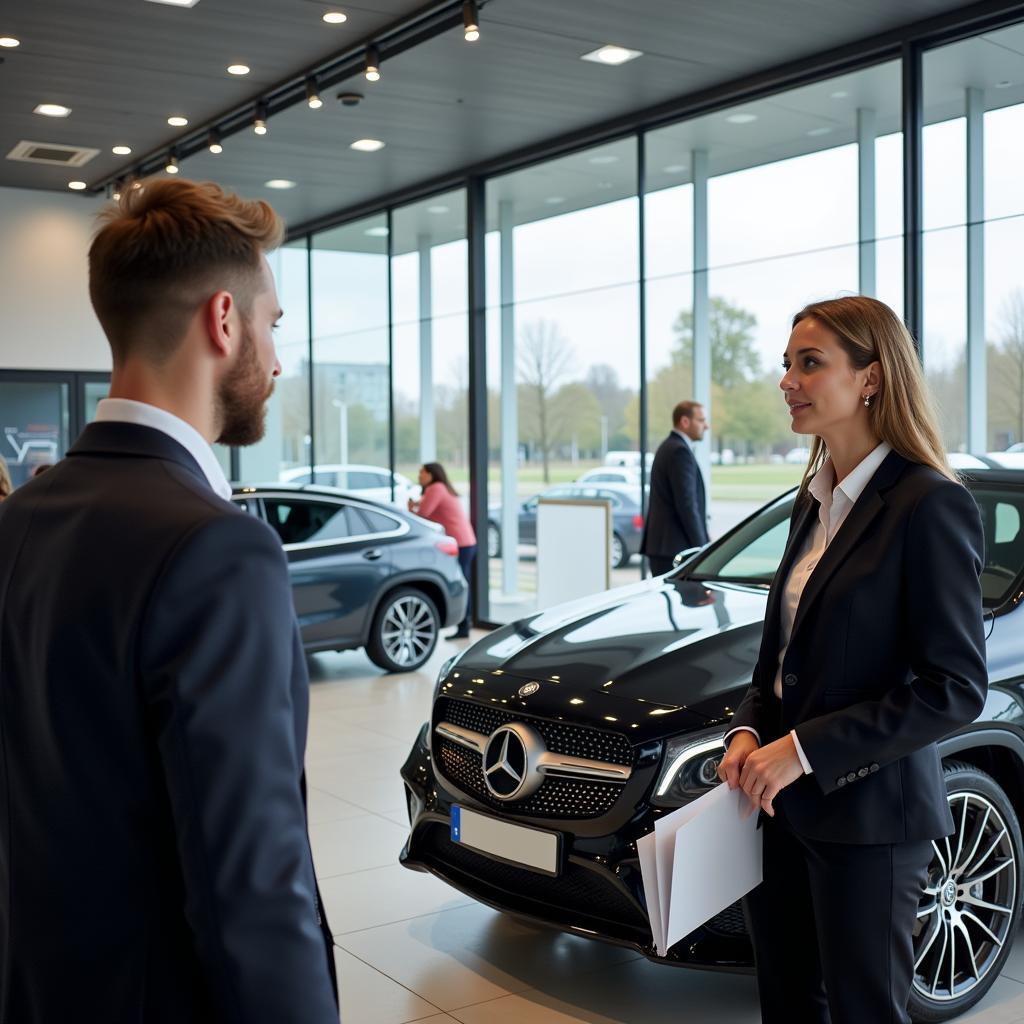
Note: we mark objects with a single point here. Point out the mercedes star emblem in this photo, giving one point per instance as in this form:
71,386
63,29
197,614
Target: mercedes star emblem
510,761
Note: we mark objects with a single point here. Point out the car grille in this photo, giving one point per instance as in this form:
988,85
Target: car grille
565,799
576,890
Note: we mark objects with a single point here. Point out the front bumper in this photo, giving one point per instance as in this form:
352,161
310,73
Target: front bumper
598,892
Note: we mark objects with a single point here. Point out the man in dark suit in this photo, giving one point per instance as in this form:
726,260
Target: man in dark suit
677,511
154,858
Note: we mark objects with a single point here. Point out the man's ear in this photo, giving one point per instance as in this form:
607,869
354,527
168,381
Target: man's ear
221,323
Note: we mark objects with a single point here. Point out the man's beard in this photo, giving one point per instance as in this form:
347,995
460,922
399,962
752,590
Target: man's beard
242,397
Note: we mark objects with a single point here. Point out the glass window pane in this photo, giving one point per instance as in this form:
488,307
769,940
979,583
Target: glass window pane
35,420
350,346
562,344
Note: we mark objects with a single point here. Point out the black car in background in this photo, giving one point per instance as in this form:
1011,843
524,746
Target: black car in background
611,711
363,574
627,518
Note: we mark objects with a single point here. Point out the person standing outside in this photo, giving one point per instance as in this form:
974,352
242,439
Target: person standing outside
873,649
677,508
440,503
155,864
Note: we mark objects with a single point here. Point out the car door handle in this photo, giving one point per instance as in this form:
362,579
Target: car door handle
373,554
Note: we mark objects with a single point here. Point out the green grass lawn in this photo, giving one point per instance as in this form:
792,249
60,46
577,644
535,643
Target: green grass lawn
759,482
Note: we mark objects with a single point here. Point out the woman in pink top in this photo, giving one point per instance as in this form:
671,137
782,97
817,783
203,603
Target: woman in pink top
440,503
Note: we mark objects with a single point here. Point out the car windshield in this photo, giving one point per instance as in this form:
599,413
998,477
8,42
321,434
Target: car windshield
753,551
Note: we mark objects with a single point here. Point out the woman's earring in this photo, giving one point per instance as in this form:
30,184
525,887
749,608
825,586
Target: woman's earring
867,401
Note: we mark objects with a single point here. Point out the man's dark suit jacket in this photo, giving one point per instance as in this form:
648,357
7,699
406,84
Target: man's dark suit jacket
154,858
887,656
677,512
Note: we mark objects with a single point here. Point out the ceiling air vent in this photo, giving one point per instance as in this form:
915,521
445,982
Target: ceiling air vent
51,153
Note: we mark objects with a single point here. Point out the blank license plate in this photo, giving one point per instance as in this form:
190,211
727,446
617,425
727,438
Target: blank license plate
513,844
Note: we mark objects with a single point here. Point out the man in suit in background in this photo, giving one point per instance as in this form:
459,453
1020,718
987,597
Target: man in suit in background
677,510
154,858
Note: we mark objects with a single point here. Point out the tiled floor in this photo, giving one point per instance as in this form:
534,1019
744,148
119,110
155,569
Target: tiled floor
409,948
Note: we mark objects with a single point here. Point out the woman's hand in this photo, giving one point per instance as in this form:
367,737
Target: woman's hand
768,770
412,505
730,768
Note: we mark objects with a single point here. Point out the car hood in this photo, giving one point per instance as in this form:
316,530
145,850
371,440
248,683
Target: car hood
652,659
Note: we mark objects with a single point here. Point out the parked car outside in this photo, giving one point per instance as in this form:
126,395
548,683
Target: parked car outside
632,691
797,456
627,517
363,573
373,482
622,475
1018,447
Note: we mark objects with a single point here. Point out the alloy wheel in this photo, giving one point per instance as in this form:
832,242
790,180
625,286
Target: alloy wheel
408,630
967,906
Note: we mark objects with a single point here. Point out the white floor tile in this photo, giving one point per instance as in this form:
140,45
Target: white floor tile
473,954
1004,1004
368,899
355,844
367,997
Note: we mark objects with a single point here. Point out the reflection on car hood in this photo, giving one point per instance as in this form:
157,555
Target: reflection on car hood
655,658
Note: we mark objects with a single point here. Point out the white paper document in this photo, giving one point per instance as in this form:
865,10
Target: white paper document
698,861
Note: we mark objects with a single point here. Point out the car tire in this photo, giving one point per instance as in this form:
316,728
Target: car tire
493,540
620,553
986,846
404,631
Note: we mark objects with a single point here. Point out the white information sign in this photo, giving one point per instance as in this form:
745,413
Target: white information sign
573,549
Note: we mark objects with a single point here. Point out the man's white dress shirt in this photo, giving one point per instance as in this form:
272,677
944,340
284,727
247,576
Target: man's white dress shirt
125,410
835,503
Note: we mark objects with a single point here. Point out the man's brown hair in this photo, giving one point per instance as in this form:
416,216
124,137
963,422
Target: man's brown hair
166,247
686,409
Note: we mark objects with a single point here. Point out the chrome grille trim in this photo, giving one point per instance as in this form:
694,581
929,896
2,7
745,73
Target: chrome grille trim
464,737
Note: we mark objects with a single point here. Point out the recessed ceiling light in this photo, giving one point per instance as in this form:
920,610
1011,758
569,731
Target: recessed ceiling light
613,55
280,183
335,18
823,130
554,200
9,42
603,158
52,110
176,3
177,121
121,150
674,168
380,231
741,118
437,209
367,145
840,94
238,69
77,186
1005,84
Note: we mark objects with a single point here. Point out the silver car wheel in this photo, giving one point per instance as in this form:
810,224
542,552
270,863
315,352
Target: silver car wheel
408,630
967,906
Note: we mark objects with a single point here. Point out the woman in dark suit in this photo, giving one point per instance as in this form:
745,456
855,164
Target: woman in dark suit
873,649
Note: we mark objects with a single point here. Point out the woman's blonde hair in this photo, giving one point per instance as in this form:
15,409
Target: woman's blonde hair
5,479
902,412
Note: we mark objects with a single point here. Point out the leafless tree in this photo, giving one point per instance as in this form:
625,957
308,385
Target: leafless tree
544,357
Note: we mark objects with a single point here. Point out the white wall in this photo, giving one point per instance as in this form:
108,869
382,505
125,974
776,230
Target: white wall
46,321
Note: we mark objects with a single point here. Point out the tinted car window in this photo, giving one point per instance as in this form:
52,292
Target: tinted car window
367,521
1002,515
753,552
303,522
360,480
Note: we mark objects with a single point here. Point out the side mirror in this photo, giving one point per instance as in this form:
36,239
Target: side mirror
684,556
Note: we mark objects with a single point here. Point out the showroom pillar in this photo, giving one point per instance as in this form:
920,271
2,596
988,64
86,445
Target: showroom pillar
977,412
428,427
913,181
866,233
701,307
509,408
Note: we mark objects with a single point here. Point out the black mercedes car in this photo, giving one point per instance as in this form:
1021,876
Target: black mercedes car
556,742
364,574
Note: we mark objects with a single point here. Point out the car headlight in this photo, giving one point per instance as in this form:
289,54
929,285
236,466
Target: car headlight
689,768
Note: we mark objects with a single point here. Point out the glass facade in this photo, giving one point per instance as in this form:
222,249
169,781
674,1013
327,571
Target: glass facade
661,264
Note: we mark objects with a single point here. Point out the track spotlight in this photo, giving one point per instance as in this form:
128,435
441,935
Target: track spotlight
313,94
213,143
172,164
372,69
259,125
470,21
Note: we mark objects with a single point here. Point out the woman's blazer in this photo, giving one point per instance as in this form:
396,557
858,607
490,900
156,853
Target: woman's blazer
887,656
